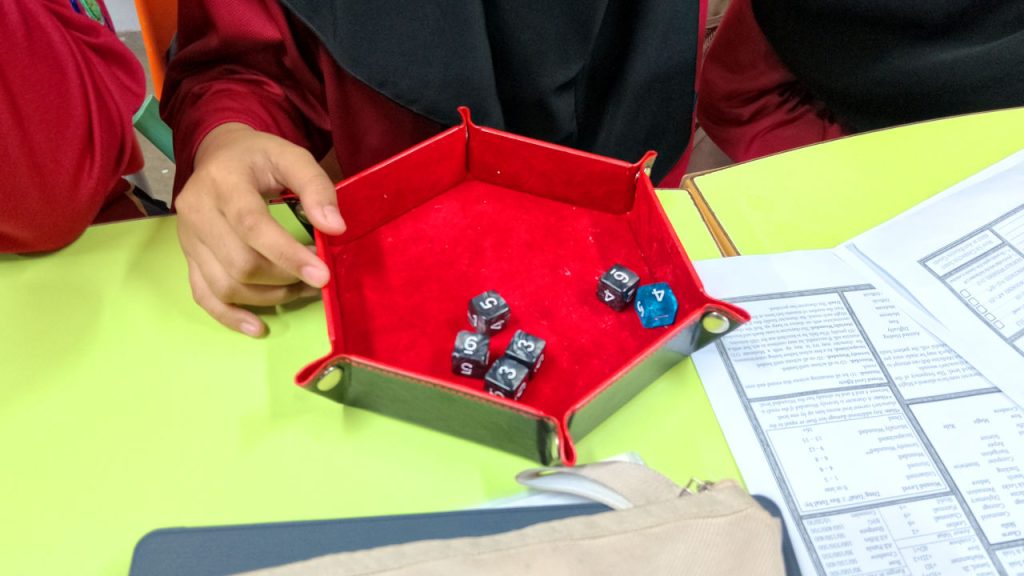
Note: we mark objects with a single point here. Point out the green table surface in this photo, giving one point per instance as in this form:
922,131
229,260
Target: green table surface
124,408
823,195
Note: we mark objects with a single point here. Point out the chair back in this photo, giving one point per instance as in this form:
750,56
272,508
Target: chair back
159,21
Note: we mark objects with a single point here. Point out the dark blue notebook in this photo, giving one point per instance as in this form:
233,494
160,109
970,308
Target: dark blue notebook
220,550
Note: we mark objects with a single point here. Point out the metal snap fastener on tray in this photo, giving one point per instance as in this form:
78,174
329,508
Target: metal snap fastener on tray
553,446
330,378
715,323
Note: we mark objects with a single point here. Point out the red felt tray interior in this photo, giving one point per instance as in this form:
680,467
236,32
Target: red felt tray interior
404,287
475,209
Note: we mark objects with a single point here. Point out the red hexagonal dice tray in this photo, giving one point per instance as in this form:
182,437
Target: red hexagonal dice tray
477,209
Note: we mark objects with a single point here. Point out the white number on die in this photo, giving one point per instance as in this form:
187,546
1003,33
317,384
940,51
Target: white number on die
608,296
471,344
466,368
489,303
658,293
620,276
526,345
506,372
497,325
640,308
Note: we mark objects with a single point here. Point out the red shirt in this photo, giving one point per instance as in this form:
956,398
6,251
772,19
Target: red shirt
750,104
70,88
249,62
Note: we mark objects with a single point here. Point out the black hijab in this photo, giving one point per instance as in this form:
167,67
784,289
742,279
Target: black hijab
615,77
878,63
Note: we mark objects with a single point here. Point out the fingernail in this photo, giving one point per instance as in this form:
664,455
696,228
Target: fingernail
315,276
251,329
333,217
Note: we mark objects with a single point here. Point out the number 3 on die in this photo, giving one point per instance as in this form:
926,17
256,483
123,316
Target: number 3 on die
506,378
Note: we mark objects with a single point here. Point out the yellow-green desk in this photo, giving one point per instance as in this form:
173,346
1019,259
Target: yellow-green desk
823,195
123,408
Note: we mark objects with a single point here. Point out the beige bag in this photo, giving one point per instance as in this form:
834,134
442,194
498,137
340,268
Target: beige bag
658,528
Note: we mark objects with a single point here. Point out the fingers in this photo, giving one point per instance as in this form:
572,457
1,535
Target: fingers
233,317
258,250
238,255
297,170
232,291
240,261
219,295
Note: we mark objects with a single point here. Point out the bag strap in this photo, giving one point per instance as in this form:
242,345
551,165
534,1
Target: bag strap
618,485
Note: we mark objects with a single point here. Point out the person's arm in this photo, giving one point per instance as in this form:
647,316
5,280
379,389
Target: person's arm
750,104
70,88
244,108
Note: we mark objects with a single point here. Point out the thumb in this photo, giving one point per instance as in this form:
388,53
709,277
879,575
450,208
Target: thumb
297,170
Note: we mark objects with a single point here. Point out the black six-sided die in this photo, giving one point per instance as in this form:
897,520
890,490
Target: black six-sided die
617,287
470,355
506,378
526,349
488,312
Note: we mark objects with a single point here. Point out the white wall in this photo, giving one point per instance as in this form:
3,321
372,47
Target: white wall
123,14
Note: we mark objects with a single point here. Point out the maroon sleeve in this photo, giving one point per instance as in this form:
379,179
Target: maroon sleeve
750,104
239,61
70,88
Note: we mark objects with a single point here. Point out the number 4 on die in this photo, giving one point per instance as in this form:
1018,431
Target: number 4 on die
617,287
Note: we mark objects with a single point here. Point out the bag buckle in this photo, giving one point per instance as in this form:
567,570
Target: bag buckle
695,486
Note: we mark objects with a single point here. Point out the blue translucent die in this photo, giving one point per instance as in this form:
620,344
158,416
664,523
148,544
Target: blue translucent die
656,305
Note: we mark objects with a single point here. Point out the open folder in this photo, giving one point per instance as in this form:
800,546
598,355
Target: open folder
876,392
